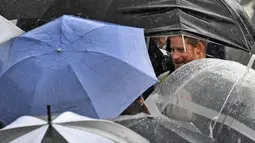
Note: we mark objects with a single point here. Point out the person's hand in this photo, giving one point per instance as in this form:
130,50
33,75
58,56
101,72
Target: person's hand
136,107
140,101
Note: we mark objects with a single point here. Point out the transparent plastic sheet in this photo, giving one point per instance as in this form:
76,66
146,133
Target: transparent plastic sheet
237,84
208,82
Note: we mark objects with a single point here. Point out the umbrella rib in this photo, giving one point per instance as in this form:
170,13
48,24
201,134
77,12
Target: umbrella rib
86,33
47,34
237,23
63,25
96,115
21,62
33,39
61,31
168,8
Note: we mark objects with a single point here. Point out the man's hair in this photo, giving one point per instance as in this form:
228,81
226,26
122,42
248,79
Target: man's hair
194,41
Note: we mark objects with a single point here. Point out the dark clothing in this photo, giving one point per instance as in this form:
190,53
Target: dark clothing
1,125
136,107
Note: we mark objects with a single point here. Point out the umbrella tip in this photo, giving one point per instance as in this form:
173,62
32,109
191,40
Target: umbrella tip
49,114
59,50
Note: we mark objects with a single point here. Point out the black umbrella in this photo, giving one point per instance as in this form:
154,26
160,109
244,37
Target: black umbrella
14,9
222,21
163,130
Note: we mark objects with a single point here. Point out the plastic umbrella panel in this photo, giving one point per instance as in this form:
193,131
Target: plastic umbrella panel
197,92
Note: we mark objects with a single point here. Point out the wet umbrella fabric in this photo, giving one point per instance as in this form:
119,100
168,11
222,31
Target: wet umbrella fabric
201,88
163,130
73,64
67,127
23,8
222,21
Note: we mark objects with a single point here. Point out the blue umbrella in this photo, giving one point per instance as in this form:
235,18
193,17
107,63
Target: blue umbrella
91,68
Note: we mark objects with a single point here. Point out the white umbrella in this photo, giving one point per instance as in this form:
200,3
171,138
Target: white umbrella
68,127
8,30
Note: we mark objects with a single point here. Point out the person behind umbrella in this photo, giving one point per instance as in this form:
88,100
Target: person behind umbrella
181,54
184,49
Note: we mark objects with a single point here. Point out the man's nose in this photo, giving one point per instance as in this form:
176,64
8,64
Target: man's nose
175,55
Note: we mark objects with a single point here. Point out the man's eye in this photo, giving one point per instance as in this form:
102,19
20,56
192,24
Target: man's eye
180,50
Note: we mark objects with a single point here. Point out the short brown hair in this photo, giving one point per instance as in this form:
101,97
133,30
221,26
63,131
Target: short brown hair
193,41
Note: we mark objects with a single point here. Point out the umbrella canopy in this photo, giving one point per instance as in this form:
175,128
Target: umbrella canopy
222,21
8,30
67,127
209,90
163,130
23,8
73,64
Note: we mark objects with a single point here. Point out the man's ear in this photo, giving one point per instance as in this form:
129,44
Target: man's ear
200,48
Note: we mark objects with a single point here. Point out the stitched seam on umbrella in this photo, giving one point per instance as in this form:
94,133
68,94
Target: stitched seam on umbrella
16,64
120,61
101,26
62,34
47,34
96,70
180,23
30,106
83,88
39,41
208,13
246,43
61,31
86,34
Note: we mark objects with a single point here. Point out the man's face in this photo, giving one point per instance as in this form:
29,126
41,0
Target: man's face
180,56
